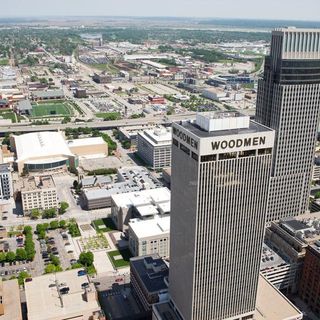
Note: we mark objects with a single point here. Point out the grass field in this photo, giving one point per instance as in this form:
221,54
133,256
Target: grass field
122,262
4,62
104,225
45,109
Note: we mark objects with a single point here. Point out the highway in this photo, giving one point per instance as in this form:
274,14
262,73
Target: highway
101,125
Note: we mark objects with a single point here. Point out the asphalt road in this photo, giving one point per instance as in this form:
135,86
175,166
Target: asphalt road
102,125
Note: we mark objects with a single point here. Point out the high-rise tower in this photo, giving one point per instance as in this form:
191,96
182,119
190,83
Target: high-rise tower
221,166
289,102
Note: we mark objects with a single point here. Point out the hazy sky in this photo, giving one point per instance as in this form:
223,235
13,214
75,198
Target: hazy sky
259,9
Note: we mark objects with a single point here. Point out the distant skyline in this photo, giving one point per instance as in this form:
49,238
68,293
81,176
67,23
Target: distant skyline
307,10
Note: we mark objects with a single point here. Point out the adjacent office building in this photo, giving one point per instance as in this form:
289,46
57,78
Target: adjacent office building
154,147
221,166
38,193
309,290
288,101
6,190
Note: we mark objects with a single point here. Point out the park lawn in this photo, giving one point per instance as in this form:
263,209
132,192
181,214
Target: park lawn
108,115
106,67
120,263
107,224
51,109
4,62
9,115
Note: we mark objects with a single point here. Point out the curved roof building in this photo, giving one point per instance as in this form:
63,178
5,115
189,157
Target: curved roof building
41,151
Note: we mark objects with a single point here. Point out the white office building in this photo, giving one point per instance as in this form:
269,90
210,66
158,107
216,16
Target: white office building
154,147
143,205
6,189
150,236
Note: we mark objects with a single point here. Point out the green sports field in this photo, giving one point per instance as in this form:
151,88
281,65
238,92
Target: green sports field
47,109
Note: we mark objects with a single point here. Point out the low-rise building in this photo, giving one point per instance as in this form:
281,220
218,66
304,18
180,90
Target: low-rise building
154,147
10,303
290,238
47,95
271,304
143,204
24,107
88,146
95,181
6,189
131,133
281,273
38,192
309,289
214,94
129,179
80,93
150,236
102,78
149,279
64,295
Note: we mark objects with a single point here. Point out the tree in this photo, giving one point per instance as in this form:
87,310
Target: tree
41,234
35,214
51,268
86,258
21,254
63,207
317,195
49,213
3,257
22,276
27,230
54,224
11,256
62,224
41,227
55,260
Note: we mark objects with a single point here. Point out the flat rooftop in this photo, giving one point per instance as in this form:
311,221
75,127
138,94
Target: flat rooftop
270,259
11,300
85,142
254,127
305,228
43,298
142,198
38,182
272,304
152,271
150,227
158,136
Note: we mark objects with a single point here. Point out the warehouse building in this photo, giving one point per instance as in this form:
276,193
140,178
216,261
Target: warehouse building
154,147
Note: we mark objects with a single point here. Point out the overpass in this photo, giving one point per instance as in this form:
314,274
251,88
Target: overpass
100,125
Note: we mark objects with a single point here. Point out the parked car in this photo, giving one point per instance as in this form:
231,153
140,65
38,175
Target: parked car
73,261
81,273
28,280
64,290
84,285
70,251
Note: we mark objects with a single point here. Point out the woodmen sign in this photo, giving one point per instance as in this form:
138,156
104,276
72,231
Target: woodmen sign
184,137
238,143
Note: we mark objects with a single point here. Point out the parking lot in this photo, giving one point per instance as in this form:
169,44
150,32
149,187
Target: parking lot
57,245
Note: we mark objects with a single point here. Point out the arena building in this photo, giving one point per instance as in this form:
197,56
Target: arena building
43,151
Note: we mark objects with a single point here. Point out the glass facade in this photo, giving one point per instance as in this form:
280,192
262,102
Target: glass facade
45,166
